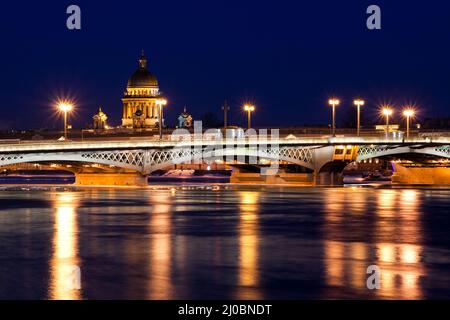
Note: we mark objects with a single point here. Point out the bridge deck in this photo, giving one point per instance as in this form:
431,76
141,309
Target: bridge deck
51,145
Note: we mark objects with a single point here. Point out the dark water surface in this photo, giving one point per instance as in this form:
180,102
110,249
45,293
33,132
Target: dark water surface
225,241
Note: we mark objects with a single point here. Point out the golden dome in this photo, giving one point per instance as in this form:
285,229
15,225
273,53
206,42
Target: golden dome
142,78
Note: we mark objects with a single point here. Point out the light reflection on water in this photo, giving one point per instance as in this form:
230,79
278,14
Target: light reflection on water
248,246
65,248
232,242
160,255
395,245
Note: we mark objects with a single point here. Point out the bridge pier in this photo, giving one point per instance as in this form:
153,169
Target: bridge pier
329,179
279,177
421,175
301,179
111,179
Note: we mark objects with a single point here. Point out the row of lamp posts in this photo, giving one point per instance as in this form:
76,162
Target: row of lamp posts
66,107
248,108
386,111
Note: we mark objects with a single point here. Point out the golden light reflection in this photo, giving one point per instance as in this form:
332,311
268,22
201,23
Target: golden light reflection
410,254
387,252
399,248
395,246
334,205
386,205
410,197
334,263
248,245
64,262
356,201
160,286
358,272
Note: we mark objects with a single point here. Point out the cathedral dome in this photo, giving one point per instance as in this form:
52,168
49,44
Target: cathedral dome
142,78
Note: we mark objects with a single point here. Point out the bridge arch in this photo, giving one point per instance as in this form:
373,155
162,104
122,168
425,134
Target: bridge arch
132,160
148,160
370,152
164,158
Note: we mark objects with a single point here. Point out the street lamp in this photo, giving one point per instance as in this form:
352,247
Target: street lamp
225,109
160,103
334,102
358,103
387,112
65,107
249,108
408,113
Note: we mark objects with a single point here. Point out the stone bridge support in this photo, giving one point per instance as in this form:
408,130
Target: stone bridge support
279,177
111,179
330,162
328,179
421,175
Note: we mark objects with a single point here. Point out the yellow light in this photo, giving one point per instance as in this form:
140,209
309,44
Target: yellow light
249,107
409,113
359,102
162,102
387,111
65,106
333,102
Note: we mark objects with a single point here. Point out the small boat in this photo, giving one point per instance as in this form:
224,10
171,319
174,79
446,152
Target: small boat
376,177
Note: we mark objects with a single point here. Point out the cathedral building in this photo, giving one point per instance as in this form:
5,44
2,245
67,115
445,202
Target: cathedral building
185,119
100,120
140,109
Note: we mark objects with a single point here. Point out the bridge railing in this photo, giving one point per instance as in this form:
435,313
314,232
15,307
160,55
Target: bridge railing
285,135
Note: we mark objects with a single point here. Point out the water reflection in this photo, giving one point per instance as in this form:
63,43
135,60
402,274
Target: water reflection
396,245
64,262
160,255
400,262
233,242
248,245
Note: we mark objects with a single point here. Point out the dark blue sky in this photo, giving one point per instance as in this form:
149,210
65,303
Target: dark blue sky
287,57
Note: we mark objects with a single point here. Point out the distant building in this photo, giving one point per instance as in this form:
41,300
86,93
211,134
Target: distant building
100,120
185,119
139,102
383,127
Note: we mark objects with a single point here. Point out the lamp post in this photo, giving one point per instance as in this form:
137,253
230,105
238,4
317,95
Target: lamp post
333,103
408,113
225,109
160,103
358,103
65,107
249,108
387,112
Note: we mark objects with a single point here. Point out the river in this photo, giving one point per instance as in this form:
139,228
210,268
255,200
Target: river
224,242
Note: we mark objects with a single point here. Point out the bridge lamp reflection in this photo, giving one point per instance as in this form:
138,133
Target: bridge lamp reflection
333,103
408,113
249,109
358,103
387,112
65,107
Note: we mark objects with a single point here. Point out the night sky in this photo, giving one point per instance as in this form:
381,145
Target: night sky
287,57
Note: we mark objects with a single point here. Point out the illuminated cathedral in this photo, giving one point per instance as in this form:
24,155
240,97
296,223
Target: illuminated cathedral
140,109
100,120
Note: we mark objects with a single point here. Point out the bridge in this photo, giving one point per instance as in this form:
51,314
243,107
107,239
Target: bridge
129,161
